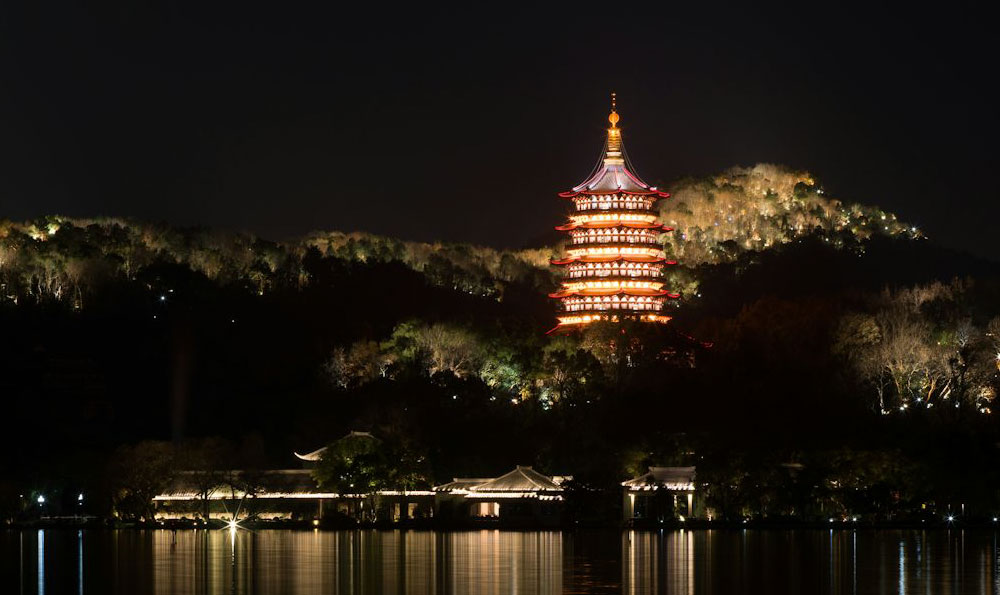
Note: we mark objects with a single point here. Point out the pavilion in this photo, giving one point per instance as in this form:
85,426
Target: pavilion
661,494
522,496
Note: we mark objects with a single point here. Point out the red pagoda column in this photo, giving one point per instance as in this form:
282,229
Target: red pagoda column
614,260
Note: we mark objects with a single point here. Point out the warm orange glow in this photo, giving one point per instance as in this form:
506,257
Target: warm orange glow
598,250
578,285
588,318
611,218
593,258
618,201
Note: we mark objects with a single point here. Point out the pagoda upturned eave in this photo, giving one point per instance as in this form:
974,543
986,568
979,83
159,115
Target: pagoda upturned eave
637,258
608,224
636,291
619,190
613,176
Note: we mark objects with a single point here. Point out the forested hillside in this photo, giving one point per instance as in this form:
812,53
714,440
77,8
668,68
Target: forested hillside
805,322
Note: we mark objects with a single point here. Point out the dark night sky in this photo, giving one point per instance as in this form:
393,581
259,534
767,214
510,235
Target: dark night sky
437,124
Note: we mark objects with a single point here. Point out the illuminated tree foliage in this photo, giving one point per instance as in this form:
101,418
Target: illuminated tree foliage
363,464
919,347
717,219
750,209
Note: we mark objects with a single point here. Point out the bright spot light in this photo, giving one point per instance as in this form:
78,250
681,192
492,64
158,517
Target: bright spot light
680,518
41,499
163,298
951,518
79,498
315,522
831,520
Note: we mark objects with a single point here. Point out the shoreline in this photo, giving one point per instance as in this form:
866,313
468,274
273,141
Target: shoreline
430,525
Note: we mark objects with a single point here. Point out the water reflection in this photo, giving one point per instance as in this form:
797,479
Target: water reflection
41,562
357,562
854,562
495,562
79,562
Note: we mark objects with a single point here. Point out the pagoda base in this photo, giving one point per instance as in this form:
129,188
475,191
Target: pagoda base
575,321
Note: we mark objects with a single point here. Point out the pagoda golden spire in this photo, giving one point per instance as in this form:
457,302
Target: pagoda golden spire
614,150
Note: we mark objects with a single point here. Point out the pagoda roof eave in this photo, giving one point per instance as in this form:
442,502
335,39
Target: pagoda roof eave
613,258
650,192
610,224
636,292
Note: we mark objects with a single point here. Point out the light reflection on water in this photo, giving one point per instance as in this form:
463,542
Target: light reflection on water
496,562
359,562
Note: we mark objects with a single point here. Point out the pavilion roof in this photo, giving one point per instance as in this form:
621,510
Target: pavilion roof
317,454
188,484
522,479
461,483
671,478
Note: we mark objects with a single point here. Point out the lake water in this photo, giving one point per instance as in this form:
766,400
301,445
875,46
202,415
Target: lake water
60,562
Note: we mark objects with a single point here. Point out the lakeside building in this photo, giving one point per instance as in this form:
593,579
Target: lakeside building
662,494
614,261
522,497
281,494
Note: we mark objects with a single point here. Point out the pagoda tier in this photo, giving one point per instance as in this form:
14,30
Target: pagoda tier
614,259
618,226
616,235
617,270
618,201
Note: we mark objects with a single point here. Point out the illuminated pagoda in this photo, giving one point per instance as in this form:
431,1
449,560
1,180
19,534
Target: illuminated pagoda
614,261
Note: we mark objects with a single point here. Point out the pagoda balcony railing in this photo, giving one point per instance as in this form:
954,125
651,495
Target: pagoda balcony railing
629,273
615,239
642,247
623,211
592,204
643,306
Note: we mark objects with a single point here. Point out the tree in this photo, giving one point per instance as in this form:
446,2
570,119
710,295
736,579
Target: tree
205,463
437,347
358,365
858,339
137,474
361,464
